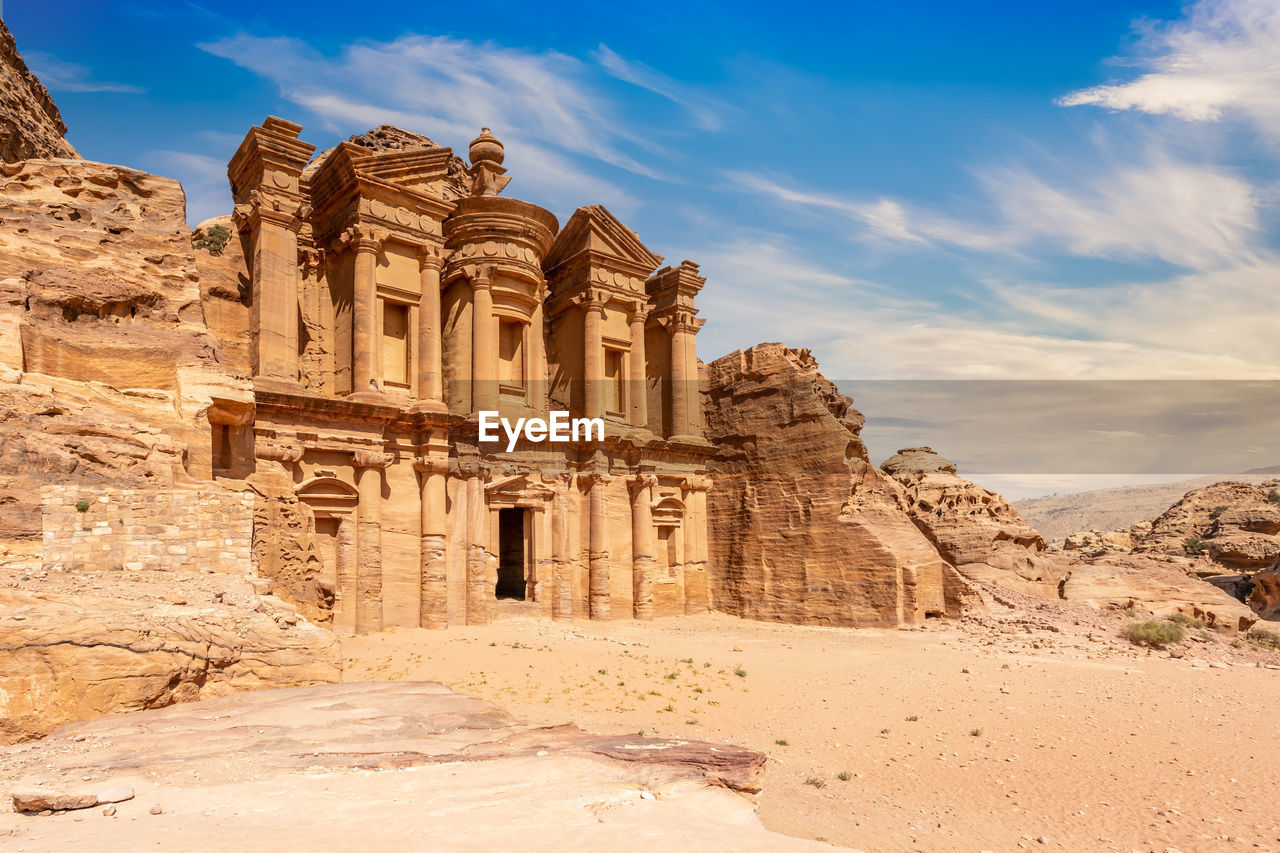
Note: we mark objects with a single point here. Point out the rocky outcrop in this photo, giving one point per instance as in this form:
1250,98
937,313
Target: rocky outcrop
803,528
1264,592
1154,584
106,366
477,778
976,530
1234,524
1096,543
30,123
81,644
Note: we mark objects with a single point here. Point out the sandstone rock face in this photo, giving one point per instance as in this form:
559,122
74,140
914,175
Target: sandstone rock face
1154,584
1264,596
1235,524
1095,543
30,123
803,528
81,644
107,369
476,777
976,530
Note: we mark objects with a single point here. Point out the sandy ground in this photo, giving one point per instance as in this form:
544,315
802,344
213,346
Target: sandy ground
1017,733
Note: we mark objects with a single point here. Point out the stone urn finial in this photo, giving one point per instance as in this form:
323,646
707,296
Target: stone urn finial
487,172
485,148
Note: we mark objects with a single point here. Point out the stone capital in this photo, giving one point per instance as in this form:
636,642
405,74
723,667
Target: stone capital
277,450
370,459
697,483
591,479
431,464
640,482
362,238
431,258
471,466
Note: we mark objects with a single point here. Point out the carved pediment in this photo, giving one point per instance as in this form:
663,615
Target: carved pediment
517,489
596,235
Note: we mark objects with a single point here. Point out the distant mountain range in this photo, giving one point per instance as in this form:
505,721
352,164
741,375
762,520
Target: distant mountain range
1056,516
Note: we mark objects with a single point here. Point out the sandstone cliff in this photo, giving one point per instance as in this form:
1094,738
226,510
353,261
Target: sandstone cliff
974,529
79,644
30,123
1234,524
803,528
106,365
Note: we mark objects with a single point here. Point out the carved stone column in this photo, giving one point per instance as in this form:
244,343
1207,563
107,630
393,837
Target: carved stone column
598,555
363,321
368,604
562,593
344,593
696,598
680,403
432,470
273,268
480,599
430,390
484,344
593,356
638,397
642,558
536,381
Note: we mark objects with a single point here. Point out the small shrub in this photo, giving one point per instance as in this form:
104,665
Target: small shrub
884,731
740,672
1263,638
844,775
1273,496
1186,621
672,676
603,671
913,718
670,708
1216,511
1153,633
212,241
782,742
815,782
975,732
687,660
82,506
1193,546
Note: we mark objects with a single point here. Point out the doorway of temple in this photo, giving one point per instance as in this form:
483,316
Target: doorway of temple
511,554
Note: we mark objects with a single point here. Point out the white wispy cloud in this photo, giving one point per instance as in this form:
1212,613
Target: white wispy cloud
707,113
1219,60
449,88
58,75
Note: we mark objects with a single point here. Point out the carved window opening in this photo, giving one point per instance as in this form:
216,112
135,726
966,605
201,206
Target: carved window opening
511,351
615,381
512,551
395,344
222,455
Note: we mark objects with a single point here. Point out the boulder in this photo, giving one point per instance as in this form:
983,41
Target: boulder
803,528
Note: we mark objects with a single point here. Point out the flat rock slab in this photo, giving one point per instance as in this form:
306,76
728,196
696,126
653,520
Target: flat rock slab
392,764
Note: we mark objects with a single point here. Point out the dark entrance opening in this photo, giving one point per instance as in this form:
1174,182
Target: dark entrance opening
511,551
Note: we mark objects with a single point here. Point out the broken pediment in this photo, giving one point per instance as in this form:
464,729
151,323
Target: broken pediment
595,246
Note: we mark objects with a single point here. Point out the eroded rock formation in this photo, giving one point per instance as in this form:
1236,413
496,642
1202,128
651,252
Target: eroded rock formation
78,645
1234,524
974,529
30,123
804,528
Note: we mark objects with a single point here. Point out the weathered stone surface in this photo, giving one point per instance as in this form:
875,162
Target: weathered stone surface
1095,543
30,123
1157,584
40,799
476,776
1235,524
107,370
113,648
976,530
803,527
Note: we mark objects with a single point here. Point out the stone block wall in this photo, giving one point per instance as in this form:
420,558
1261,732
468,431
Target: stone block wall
167,529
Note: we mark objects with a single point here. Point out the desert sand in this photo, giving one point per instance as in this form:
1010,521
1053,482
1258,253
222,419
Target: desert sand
957,736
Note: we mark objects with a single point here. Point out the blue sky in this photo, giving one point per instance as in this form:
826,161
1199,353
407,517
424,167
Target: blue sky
913,190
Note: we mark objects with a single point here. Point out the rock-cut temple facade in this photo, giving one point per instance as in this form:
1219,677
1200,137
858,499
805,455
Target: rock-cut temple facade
393,295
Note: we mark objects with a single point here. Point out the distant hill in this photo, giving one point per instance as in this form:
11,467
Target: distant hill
1056,516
